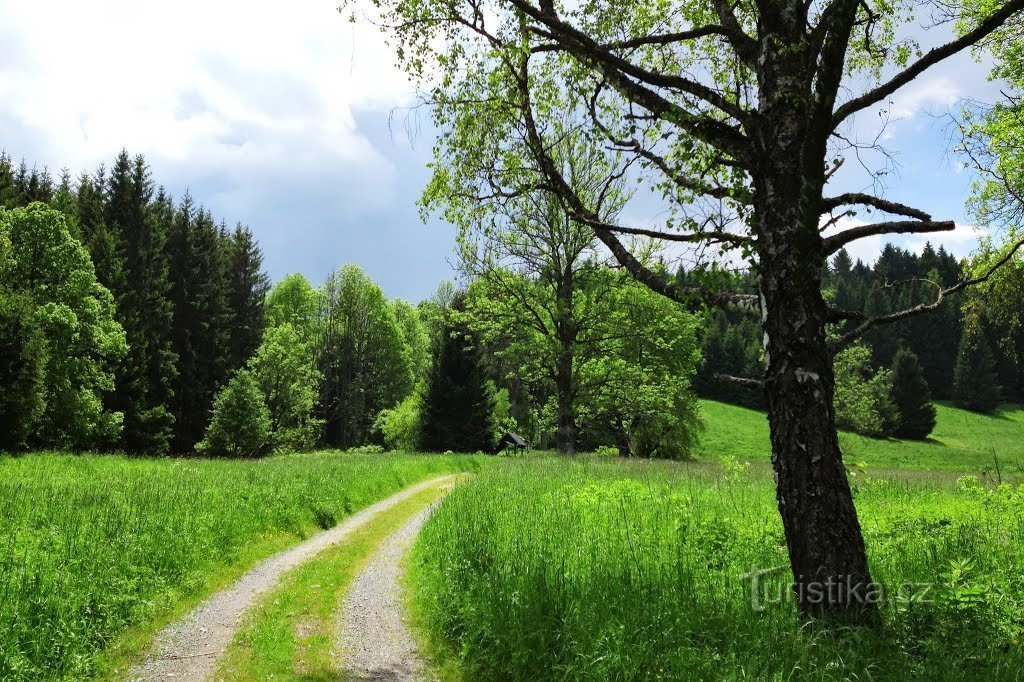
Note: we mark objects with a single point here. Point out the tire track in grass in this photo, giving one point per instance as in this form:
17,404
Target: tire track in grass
191,648
374,639
292,633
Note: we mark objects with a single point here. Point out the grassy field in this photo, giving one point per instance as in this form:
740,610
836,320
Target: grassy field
962,441
603,569
98,550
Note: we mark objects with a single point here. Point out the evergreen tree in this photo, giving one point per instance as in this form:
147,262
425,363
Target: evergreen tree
138,226
457,406
65,201
916,414
975,382
247,288
8,191
200,335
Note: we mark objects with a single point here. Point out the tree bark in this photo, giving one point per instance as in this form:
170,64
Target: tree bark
823,534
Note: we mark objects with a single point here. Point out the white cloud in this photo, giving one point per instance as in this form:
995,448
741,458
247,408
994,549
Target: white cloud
180,80
930,93
275,114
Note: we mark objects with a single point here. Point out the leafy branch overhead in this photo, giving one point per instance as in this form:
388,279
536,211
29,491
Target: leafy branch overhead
673,97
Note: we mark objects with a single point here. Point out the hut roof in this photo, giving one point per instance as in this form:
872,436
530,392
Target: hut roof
514,439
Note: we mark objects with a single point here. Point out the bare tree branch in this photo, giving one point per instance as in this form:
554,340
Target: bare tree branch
933,57
832,244
861,199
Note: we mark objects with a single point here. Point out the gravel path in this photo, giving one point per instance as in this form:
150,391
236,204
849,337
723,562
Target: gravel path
190,648
375,641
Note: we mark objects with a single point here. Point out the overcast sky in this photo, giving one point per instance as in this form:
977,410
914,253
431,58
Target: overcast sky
288,118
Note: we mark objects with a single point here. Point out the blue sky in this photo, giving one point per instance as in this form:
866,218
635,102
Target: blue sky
294,121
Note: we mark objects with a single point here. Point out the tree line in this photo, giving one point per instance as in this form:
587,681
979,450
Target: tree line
168,303
141,324
968,351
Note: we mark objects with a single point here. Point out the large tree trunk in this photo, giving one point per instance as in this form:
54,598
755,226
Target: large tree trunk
823,534
826,547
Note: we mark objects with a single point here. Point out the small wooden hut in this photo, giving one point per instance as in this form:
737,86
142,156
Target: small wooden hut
514,442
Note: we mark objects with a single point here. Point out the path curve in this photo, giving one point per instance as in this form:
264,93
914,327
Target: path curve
375,641
190,648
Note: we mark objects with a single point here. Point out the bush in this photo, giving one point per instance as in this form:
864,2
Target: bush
910,394
241,421
401,426
863,402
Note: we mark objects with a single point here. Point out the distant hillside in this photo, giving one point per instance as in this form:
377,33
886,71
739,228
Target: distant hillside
962,440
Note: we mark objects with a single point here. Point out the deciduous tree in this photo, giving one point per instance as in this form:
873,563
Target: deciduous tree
735,113
75,315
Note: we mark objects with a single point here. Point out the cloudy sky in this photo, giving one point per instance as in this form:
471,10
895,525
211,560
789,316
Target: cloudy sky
288,118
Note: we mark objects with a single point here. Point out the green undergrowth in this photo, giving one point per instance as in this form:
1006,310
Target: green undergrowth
595,569
96,552
293,631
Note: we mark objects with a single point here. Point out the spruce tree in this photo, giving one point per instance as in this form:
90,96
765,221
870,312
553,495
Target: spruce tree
975,382
915,411
457,407
199,337
8,191
138,226
247,288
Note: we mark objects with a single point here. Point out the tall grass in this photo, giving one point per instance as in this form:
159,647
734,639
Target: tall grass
610,570
90,545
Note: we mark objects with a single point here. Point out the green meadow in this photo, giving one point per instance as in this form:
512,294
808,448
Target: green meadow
538,568
601,568
96,551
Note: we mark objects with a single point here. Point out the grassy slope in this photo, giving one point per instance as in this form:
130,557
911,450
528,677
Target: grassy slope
962,440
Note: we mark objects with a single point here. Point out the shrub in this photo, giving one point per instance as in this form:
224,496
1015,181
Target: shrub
401,425
241,421
863,401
